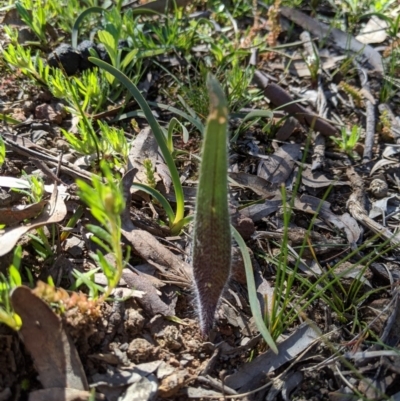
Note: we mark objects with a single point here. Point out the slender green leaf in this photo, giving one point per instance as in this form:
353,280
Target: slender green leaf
251,288
81,17
158,197
99,232
156,131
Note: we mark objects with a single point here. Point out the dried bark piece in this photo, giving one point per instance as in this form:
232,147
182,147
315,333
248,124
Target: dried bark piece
337,37
318,157
287,129
356,207
258,185
64,394
280,98
56,359
370,113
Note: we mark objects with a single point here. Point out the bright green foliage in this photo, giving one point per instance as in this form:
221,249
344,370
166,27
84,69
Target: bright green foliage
40,242
2,151
106,203
35,20
110,142
22,58
7,315
85,93
148,165
36,190
61,13
348,140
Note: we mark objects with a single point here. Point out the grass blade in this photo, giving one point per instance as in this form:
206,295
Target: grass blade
251,288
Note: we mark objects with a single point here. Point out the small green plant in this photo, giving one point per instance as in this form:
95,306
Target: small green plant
36,20
40,242
348,140
110,37
86,93
212,240
31,66
313,63
7,315
148,165
106,203
110,142
2,151
40,14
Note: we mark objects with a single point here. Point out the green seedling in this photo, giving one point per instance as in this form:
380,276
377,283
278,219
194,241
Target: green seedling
40,242
87,279
7,315
313,63
86,93
106,203
110,142
22,59
348,140
151,180
2,151
36,20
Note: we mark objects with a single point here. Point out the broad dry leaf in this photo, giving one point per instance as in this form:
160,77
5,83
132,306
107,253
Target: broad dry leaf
54,212
374,31
277,168
56,359
251,374
10,216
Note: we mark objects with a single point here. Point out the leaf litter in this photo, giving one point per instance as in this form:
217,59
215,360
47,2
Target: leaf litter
146,344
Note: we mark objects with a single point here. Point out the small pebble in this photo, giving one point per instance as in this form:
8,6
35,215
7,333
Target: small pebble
378,188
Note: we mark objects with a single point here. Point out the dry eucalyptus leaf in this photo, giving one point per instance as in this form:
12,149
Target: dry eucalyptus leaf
279,166
258,185
252,373
56,359
316,179
10,216
374,31
258,211
150,301
310,204
54,212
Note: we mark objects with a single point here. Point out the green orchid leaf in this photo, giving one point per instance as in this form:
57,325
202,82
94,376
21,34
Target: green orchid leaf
212,232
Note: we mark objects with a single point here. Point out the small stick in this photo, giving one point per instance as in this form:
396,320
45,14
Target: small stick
370,111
